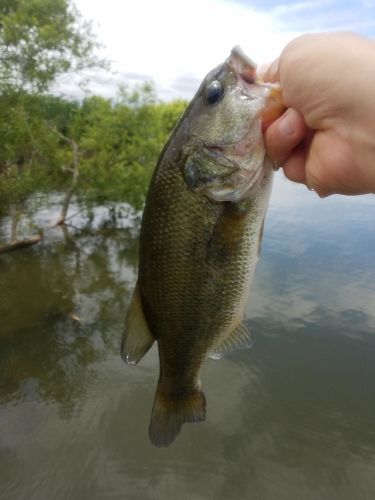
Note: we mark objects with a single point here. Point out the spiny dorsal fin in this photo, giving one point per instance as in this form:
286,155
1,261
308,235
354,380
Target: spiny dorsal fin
239,338
136,338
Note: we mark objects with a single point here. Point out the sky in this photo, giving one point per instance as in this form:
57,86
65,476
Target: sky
175,43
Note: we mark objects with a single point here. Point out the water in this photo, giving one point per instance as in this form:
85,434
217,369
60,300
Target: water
291,418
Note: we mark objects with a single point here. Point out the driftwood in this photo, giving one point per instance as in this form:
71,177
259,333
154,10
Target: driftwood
17,244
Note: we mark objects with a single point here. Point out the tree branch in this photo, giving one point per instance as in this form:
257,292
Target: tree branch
75,176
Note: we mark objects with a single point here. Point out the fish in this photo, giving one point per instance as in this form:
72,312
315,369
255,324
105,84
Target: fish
200,239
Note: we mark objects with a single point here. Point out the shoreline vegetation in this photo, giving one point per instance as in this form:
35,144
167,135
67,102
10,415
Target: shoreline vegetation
100,150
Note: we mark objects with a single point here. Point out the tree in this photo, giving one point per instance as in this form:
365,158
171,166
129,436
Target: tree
40,39
121,141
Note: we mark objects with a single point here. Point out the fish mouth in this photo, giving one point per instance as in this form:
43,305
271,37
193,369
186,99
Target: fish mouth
254,87
243,66
237,151
232,150
215,148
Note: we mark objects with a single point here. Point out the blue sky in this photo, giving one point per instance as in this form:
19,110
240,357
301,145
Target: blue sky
176,43
320,15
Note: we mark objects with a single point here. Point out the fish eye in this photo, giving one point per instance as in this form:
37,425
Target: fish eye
214,92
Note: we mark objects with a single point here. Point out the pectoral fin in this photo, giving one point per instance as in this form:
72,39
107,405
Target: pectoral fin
137,338
239,338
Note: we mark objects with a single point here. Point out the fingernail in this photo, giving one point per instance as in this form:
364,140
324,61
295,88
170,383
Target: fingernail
286,124
321,194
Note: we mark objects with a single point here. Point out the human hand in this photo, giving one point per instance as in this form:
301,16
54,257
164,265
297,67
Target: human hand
326,137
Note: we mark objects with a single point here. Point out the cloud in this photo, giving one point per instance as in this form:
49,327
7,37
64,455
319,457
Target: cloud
173,42
176,43
186,84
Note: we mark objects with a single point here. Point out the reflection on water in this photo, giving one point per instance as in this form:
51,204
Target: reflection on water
292,418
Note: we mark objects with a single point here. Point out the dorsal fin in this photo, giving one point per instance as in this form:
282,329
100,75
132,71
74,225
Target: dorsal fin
239,338
136,338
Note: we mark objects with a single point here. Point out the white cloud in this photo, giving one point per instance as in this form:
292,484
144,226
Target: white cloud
177,43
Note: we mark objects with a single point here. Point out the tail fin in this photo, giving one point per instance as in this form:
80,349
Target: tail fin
169,413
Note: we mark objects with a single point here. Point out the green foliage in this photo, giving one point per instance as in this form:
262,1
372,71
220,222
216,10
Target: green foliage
114,143
30,143
15,187
121,142
40,39
118,142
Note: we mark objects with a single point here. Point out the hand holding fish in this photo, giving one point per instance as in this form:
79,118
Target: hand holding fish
326,137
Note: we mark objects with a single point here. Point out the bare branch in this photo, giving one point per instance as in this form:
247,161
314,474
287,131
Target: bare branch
75,171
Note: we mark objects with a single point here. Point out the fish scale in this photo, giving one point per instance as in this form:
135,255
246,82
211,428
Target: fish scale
199,242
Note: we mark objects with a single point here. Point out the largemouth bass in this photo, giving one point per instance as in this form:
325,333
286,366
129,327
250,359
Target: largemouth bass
200,240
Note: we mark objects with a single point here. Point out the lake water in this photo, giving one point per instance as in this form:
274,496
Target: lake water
292,418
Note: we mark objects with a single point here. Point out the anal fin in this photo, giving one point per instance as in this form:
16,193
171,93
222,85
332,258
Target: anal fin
239,338
136,338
